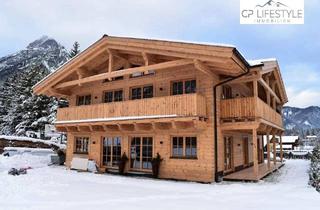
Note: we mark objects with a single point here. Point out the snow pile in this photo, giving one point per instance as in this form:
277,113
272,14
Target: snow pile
23,161
22,138
33,151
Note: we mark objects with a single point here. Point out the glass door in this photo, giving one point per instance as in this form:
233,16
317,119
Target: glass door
228,150
141,150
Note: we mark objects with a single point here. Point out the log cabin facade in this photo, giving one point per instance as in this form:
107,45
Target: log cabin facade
203,107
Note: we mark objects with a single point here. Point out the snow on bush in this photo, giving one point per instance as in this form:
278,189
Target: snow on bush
314,172
23,161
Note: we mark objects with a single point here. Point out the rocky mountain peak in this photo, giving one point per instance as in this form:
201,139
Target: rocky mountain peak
45,51
44,42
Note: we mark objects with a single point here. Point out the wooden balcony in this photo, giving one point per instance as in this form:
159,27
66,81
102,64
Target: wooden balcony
189,105
249,108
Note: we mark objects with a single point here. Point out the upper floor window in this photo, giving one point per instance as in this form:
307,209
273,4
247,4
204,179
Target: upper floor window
84,100
82,145
184,87
111,96
142,92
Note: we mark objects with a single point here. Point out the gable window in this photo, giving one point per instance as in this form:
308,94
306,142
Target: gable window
184,147
184,87
81,145
111,96
140,74
111,151
142,92
84,100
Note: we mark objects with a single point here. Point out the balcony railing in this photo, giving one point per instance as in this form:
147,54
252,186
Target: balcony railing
249,108
189,105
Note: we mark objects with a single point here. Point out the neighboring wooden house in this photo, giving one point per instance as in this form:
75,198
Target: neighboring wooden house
202,107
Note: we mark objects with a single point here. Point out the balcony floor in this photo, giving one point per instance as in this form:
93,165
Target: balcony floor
247,174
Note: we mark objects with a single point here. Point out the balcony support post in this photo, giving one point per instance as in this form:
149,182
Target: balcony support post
281,149
274,149
255,153
268,151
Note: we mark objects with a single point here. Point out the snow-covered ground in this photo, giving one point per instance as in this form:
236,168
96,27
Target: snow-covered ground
51,188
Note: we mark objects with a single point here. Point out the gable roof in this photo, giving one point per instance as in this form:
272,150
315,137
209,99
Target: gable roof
221,57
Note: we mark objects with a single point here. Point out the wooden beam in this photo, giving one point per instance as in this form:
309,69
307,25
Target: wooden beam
159,66
274,149
265,85
203,68
111,62
281,149
255,153
60,92
268,151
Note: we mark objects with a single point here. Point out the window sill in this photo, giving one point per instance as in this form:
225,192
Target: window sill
184,158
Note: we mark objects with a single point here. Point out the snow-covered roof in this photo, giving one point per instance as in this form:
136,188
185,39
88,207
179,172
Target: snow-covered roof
284,146
289,139
22,138
260,61
310,137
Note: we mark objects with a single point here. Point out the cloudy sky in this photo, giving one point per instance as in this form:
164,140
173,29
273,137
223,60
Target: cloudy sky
295,46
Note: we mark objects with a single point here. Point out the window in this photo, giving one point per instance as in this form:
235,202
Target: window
135,93
184,147
140,74
82,145
177,146
148,92
111,151
111,96
142,92
184,87
191,147
83,100
226,92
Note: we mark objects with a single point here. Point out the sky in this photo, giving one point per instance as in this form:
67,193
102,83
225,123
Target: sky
295,46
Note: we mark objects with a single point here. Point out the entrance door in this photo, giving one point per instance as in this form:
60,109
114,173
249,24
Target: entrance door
141,153
245,150
228,150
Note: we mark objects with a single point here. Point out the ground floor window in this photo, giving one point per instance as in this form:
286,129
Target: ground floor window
141,150
111,151
184,147
82,145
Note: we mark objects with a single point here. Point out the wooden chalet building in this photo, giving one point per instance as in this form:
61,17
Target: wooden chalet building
203,107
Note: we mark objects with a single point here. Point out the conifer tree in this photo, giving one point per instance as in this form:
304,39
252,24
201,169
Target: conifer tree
75,49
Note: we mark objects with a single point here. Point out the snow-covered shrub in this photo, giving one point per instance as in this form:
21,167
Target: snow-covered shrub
314,172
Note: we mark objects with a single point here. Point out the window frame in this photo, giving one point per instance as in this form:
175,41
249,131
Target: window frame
183,86
81,138
84,100
141,87
113,95
184,149
112,147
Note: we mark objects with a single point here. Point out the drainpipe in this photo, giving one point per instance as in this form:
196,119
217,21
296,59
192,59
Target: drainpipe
218,175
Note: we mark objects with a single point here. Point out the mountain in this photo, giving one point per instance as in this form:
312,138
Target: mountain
44,51
301,120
